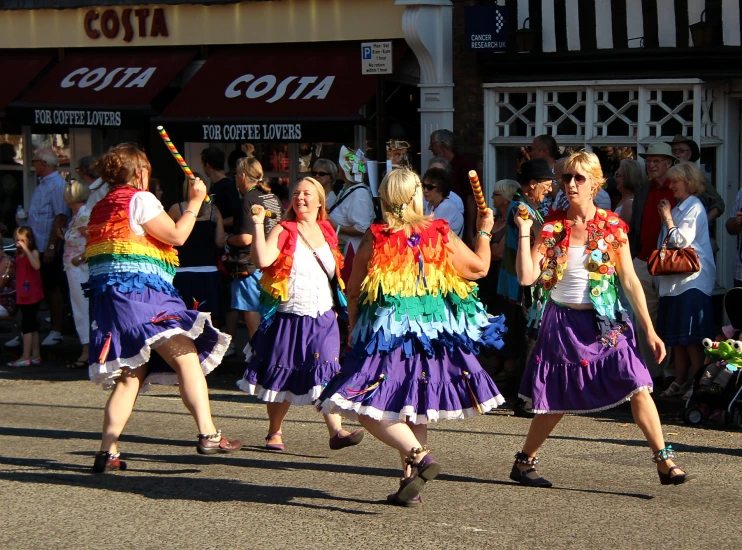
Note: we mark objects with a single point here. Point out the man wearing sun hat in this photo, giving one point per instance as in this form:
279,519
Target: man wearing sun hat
644,230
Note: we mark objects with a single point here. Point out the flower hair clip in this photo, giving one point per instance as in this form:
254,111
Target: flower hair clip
398,209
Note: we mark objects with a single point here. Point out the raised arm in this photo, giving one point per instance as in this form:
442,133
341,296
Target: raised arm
163,228
475,264
263,251
528,259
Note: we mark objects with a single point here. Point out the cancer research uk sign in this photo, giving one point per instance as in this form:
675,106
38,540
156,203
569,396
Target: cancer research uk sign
376,58
486,28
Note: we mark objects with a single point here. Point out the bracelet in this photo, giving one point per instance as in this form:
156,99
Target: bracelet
484,234
524,237
258,223
191,212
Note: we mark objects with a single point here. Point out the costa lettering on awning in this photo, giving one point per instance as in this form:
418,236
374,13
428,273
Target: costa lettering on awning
277,82
131,79
18,69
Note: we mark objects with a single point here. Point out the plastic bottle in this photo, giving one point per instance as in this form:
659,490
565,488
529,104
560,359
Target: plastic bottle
20,213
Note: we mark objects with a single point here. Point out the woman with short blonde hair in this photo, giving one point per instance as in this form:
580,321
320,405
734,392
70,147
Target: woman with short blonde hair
689,173
413,357
585,359
686,312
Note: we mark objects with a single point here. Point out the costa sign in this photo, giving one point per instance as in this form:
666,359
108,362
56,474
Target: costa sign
110,23
254,88
102,77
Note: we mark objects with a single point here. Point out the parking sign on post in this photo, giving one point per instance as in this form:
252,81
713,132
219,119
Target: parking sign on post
376,58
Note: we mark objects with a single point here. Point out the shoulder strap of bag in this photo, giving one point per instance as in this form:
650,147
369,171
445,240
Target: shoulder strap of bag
314,253
343,197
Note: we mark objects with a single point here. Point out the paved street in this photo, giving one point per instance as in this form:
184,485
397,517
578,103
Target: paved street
606,492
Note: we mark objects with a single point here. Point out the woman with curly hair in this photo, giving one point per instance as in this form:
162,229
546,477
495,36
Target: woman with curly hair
134,308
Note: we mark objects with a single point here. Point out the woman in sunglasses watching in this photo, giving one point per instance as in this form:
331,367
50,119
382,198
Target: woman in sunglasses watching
436,191
585,359
326,172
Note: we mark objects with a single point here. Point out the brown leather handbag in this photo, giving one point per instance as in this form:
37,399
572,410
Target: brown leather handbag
673,261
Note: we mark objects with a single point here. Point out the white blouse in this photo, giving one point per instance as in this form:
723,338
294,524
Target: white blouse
690,218
308,286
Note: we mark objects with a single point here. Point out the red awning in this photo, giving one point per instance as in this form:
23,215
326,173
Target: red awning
18,69
129,79
286,81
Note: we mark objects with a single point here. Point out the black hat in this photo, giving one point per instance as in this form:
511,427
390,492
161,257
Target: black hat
535,169
695,154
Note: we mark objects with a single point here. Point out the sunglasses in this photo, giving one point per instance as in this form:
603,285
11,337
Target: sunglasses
429,187
579,178
320,174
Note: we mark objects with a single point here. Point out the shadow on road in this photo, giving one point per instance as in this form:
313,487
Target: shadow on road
180,488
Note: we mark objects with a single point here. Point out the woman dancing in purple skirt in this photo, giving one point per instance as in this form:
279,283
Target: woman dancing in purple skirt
295,351
134,308
416,328
585,359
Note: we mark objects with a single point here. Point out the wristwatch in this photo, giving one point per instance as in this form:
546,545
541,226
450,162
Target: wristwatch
51,247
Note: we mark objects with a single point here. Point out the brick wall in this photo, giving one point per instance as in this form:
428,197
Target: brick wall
467,95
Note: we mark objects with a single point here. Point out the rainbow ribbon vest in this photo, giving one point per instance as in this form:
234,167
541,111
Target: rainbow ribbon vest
413,298
119,258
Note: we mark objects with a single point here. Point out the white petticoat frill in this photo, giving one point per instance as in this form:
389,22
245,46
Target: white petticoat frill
353,409
272,396
107,373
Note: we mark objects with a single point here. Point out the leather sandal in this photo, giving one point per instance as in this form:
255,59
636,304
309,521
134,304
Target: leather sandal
668,479
427,469
529,477
394,499
274,446
105,461
338,441
208,446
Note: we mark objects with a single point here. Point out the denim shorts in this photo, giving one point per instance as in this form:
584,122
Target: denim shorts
246,292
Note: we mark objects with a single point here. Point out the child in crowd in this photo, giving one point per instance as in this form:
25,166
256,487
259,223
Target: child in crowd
29,293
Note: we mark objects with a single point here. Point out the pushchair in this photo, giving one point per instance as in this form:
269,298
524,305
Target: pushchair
724,406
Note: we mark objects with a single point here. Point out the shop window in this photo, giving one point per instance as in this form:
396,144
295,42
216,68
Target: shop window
709,104
515,114
671,112
565,113
616,113
11,181
310,152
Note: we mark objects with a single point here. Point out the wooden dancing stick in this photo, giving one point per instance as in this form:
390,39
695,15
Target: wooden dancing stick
477,188
179,158
256,208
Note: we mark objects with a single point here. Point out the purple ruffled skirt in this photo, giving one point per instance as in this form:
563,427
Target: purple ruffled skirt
419,389
131,321
571,371
292,357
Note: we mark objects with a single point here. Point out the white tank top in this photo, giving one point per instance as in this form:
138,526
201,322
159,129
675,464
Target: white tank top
308,286
574,288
